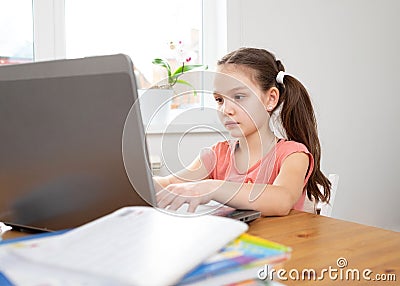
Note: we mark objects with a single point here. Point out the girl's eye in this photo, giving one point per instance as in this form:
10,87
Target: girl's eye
219,100
238,96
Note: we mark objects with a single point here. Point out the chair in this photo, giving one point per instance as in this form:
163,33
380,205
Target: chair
325,209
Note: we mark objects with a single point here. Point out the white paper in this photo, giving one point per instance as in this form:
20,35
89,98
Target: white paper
3,229
135,245
23,272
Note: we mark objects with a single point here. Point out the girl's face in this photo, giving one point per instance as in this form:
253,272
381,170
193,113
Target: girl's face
240,101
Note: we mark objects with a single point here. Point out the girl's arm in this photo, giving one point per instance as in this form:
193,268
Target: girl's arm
276,199
196,171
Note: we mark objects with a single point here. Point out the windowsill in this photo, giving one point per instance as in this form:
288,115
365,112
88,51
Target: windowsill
198,124
183,128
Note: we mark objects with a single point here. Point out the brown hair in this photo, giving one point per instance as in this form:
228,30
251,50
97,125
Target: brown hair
297,115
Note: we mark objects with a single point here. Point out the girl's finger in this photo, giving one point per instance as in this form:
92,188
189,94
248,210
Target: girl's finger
165,199
176,203
193,204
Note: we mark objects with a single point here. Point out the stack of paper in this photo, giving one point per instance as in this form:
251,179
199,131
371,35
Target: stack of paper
247,257
132,246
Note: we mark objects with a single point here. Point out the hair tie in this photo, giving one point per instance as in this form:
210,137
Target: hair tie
280,76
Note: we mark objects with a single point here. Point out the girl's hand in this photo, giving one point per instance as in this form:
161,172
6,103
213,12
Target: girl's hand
160,183
193,193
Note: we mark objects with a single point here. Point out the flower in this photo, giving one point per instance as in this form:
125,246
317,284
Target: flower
182,57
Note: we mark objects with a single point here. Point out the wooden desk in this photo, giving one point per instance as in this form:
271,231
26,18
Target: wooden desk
318,242
14,234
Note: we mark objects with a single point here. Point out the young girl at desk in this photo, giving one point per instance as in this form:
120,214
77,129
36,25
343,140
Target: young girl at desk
256,170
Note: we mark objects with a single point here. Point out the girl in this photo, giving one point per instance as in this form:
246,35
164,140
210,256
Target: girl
256,170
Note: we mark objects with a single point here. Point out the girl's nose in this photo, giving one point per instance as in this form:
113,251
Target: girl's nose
228,107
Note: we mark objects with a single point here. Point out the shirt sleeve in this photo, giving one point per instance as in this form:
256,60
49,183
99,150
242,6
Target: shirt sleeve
216,159
291,147
209,159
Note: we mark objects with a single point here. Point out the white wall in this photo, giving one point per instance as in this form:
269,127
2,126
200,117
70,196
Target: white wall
347,53
177,150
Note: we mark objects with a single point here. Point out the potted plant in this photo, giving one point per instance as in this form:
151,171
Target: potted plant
156,101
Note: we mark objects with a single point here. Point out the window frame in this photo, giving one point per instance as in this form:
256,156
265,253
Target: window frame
50,37
48,29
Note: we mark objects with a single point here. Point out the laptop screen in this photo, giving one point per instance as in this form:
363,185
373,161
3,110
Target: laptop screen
61,126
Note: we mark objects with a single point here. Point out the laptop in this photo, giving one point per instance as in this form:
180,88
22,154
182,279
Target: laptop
61,160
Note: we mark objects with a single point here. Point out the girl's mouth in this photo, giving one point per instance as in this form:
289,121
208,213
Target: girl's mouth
231,124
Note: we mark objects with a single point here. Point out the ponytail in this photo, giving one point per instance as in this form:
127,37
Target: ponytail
299,122
297,113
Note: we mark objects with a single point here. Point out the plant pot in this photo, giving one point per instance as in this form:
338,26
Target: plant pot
155,105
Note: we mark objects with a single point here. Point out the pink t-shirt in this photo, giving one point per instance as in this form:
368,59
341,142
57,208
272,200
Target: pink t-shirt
219,160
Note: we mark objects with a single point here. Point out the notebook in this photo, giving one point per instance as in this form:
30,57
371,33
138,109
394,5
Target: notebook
131,246
62,124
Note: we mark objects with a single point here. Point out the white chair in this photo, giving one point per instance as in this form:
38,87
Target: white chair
325,209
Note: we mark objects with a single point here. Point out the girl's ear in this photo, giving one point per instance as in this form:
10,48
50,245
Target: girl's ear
271,99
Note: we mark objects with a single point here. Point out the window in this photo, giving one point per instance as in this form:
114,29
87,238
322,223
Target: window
56,29
16,30
140,29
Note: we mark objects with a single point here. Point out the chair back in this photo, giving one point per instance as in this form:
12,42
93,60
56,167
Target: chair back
325,209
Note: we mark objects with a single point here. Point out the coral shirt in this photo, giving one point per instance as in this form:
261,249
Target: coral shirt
219,160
